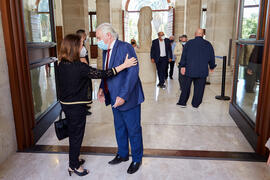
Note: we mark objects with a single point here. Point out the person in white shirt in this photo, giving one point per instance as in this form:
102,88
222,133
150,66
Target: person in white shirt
161,55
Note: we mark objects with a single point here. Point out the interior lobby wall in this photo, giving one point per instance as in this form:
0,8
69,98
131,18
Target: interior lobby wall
8,143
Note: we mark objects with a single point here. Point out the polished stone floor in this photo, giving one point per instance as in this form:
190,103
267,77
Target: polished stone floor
167,126
26,166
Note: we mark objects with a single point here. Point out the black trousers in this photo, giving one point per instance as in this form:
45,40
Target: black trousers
90,90
171,69
199,86
181,79
166,70
161,65
76,115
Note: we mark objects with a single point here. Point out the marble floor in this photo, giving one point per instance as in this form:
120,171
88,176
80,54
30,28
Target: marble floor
27,166
167,126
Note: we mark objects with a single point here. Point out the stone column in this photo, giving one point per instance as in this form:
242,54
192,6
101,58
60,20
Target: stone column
220,26
193,16
103,15
147,68
116,17
179,18
75,15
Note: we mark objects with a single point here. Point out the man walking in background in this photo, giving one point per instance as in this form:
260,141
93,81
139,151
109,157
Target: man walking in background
161,54
197,57
178,53
172,63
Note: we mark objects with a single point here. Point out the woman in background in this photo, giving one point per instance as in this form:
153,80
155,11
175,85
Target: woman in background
73,88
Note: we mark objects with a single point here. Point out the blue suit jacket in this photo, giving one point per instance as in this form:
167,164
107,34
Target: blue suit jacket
127,83
155,49
197,55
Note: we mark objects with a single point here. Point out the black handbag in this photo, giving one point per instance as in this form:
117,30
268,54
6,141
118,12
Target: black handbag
61,127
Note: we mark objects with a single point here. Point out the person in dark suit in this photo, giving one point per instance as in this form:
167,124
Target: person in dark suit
73,77
161,55
197,57
125,94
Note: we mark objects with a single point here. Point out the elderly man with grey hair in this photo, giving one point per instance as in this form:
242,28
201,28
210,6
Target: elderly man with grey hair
125,95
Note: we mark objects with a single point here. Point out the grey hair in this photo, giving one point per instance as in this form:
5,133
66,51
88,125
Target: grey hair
107,28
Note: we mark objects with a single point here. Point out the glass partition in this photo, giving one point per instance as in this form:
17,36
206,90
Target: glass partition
43,88
249,74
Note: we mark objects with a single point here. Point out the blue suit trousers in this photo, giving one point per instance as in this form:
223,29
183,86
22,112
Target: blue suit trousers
127,126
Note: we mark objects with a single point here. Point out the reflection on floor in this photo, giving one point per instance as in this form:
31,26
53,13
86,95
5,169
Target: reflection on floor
167,126
22,166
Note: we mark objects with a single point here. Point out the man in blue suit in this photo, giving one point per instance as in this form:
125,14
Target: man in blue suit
161,55
197,58
124,93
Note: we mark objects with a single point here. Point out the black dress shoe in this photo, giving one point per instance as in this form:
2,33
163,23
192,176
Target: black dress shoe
118,160
88,113
163,86
171,77
134,166
158,85
181,105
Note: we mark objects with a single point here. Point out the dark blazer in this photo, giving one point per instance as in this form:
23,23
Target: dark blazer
155,50
73,80
127,83
197,55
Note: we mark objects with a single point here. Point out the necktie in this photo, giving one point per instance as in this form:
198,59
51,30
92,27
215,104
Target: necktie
106,67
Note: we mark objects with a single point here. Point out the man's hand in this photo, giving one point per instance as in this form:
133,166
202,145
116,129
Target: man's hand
118,102
211,70
170,60
153,61
101,97
249,72
183,70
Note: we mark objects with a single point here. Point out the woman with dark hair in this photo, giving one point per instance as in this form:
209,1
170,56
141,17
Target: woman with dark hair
73,86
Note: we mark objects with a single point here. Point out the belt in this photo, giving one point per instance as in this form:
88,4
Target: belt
76,102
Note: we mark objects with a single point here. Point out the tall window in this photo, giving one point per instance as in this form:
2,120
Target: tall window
250,17
162,18
92,34
249,59
37,20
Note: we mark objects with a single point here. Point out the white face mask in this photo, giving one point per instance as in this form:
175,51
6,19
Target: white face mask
163,37
83,52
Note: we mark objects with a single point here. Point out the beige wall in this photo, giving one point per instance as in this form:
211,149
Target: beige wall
103,15
220,26
193,17
116,17
179,18
8,143
75,15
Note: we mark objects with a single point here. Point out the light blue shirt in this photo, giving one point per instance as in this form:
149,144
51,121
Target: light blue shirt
173,46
